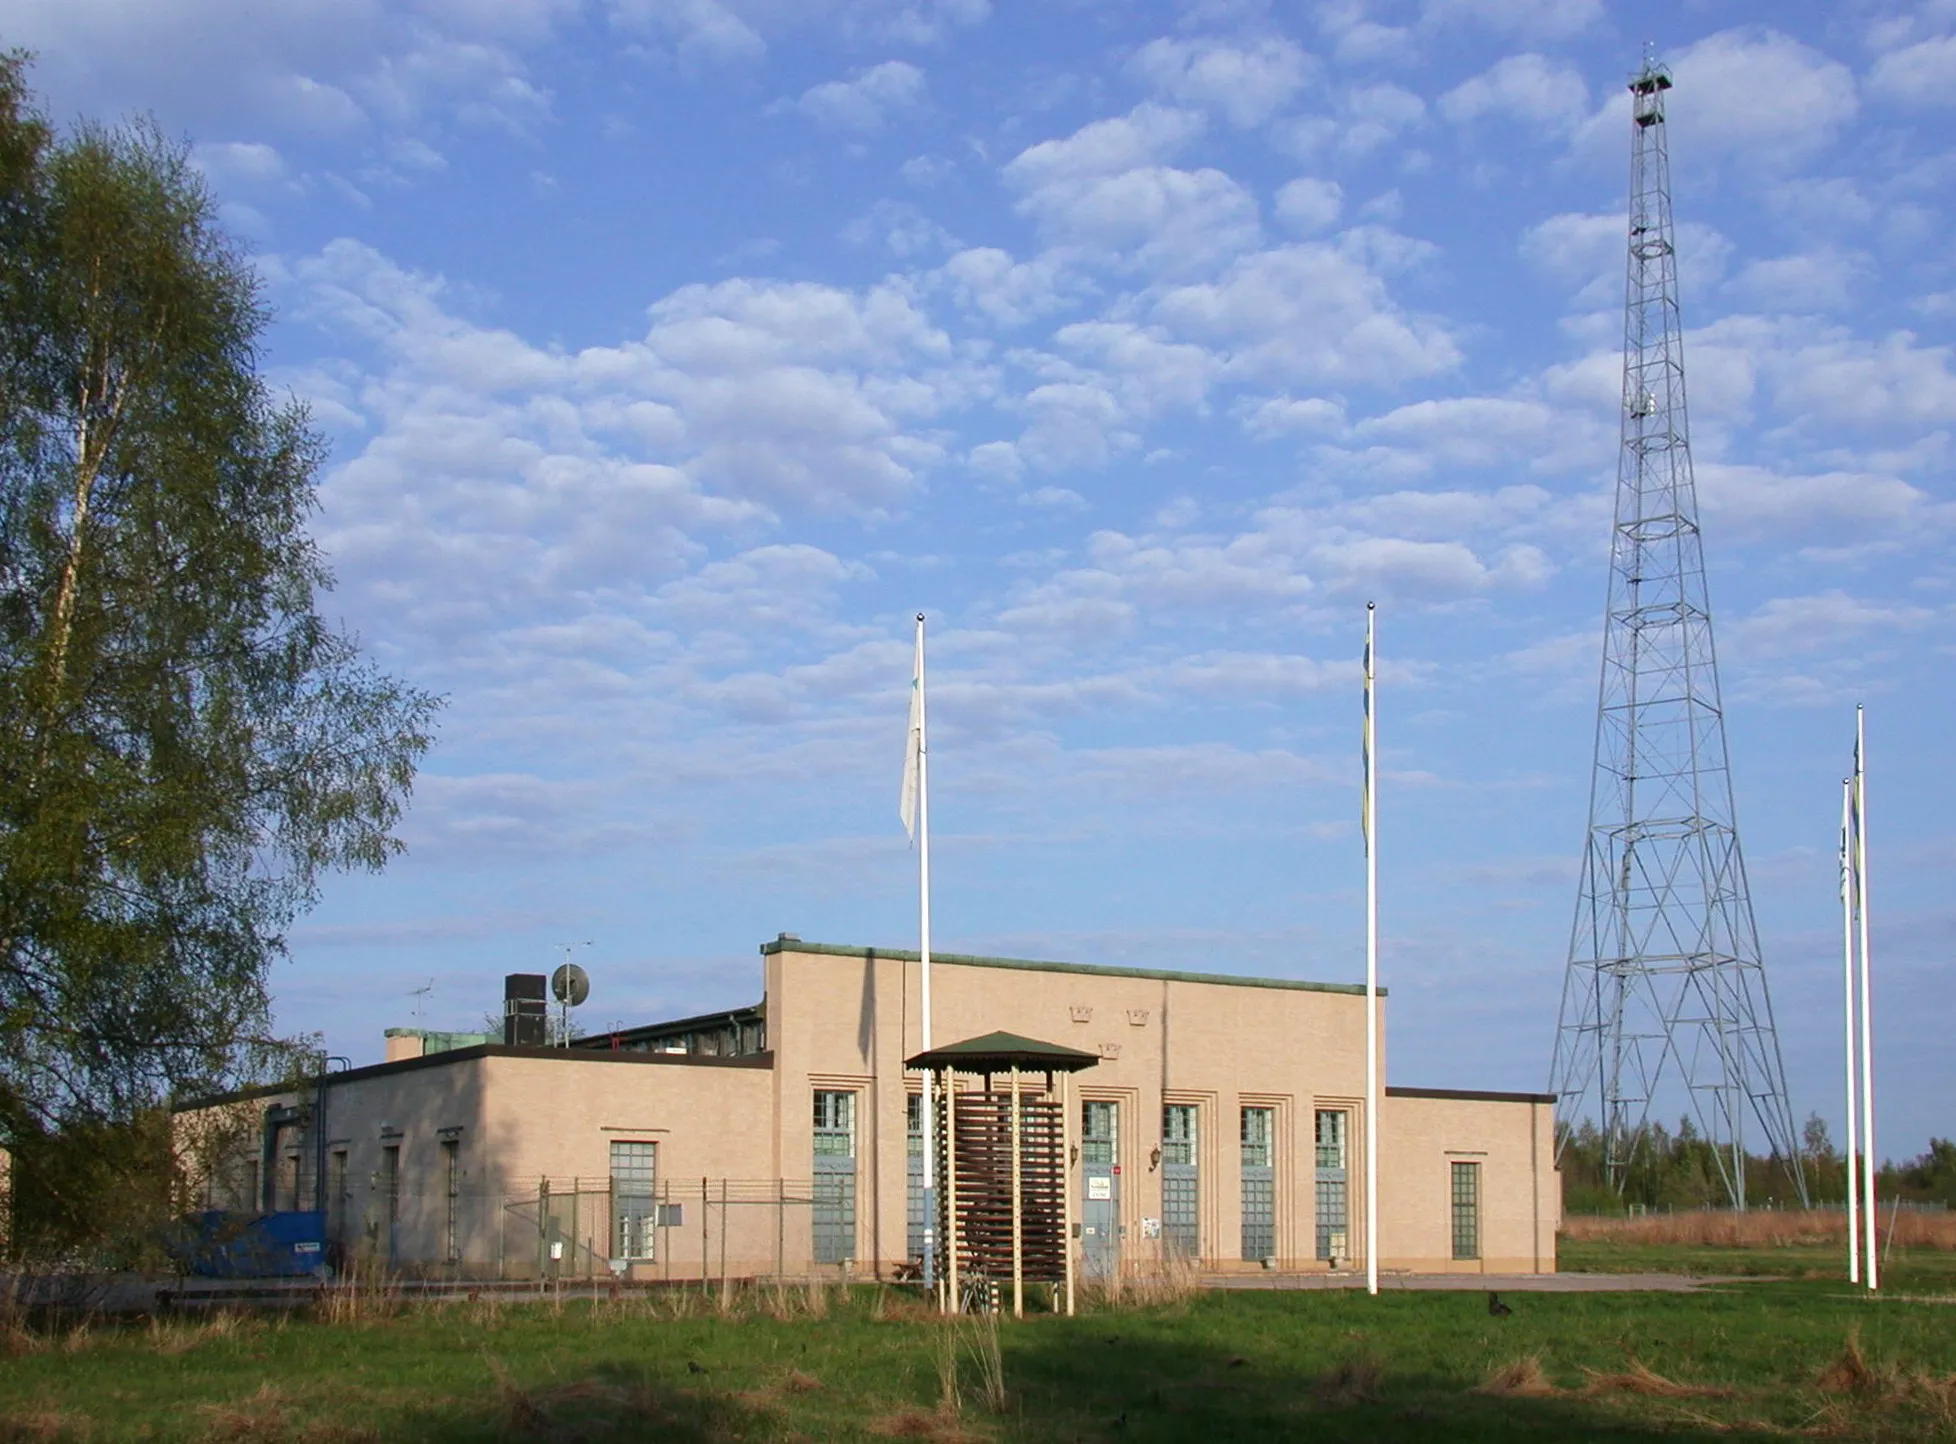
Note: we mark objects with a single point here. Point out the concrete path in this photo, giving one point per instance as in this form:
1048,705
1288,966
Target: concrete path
1477,1283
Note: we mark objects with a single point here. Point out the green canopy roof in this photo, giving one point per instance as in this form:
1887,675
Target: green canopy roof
1002,1052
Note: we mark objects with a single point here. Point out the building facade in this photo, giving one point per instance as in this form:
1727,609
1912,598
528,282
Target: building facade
1221,1127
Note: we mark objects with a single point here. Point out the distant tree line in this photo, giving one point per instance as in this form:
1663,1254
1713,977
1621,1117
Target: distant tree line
1675,1170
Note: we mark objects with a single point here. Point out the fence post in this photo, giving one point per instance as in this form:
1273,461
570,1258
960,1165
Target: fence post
706,1266
780,1227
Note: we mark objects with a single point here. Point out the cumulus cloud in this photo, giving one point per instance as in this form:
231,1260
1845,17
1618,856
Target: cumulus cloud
865,100
1752,96
1786,626
1923,74
1543,19
1246,84
1307,312
1309,205
1529,91
1106,189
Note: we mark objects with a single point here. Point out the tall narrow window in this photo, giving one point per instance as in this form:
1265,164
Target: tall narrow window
390,1202
451,1224
336,1200
913,1156
1333,1186
1259,1132
1466,1210
1097,1131
634,1199
835,1176
1180,1182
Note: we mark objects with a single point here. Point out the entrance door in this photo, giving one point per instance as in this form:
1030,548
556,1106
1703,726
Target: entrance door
1100,1205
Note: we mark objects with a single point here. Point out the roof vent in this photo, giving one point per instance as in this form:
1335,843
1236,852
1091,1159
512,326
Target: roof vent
788,938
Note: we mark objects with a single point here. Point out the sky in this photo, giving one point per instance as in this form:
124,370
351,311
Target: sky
675,353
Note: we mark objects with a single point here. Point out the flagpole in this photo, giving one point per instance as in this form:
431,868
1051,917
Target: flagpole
922,744
1867,997
1371,970
1847,988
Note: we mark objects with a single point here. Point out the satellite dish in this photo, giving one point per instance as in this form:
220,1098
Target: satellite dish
570,984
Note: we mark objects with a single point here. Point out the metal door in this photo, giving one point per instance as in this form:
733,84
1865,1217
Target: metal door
1100,1204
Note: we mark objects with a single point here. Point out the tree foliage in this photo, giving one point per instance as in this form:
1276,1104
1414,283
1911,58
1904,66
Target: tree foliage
186,746
1667,1170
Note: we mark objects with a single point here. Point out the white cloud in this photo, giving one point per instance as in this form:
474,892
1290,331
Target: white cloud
1922,74
865,100
1786,626
1529,91
240,163
1822,280
1309,205
1307,312
1246,84
1006,292
727,31
1532,19
1752,96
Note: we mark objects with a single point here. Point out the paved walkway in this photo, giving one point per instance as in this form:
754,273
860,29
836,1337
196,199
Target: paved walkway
1477,1283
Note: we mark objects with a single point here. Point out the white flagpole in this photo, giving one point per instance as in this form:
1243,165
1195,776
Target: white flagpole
1847,987
922,744
1867,997
1371,969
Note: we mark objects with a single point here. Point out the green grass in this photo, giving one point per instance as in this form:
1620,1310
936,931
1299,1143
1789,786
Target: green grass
1905,1270
1209,1367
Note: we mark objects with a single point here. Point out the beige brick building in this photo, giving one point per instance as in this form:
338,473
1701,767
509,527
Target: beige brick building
1223,1124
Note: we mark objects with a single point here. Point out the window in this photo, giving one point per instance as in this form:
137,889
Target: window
913,1148
1097,1129
634,1199
835,1124
834,1220
1333,1186
1259,1128
1466,1210
451,1229
1180,1181
390,1199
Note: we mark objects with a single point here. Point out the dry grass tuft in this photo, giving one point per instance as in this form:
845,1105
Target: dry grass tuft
1524,1378
1358,1380
40,1427
260,1417
1850,1373
816,1299
1639,1378
796,1382
367,1294
1758,1228
917,1424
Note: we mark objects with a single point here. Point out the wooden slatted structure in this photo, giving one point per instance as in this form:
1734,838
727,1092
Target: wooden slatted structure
982,1158
1004,1155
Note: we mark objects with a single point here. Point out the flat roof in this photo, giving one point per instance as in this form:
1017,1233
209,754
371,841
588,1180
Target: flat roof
1104,970
475,1053
1470,1095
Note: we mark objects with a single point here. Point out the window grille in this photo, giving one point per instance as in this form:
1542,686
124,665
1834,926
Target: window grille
1097,1130
1466,1210
1259,1183
1180,1181
634,1199
834,1221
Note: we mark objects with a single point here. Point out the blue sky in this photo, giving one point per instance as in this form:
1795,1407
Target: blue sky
675,352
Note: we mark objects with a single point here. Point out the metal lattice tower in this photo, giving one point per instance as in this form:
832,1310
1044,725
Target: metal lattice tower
1665,1000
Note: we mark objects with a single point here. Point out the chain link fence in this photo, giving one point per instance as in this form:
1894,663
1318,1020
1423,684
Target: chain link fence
583,1229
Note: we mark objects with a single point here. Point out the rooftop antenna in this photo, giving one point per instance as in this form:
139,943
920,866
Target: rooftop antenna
570,985
420,996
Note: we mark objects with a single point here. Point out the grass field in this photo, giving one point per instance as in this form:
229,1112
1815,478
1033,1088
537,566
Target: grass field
1759,1359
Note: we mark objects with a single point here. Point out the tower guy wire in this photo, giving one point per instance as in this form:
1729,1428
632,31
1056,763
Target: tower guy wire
1664,1003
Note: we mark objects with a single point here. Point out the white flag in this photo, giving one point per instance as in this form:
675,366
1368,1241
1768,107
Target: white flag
913,743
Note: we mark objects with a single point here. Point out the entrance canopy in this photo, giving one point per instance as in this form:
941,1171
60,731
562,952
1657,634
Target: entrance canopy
1001,1053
